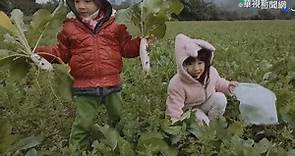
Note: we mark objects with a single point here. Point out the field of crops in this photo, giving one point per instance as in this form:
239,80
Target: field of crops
37,121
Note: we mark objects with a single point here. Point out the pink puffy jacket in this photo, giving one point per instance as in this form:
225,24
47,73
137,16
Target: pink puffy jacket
184,91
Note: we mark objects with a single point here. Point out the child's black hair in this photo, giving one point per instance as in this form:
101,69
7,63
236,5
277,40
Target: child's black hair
104,4
203,55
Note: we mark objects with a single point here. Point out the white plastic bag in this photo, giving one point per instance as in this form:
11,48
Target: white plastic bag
257,104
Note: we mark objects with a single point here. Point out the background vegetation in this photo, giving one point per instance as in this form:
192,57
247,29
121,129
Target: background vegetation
34,120
194,10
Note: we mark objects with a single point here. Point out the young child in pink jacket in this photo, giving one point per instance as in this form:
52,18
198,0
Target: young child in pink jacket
197,85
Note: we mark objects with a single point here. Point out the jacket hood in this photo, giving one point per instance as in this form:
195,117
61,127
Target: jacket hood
106,7
187,47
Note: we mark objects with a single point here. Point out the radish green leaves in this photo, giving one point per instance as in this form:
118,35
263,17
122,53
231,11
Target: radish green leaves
149,16
22,38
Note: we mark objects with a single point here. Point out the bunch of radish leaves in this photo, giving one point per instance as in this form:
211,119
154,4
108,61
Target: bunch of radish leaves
22,38
149,17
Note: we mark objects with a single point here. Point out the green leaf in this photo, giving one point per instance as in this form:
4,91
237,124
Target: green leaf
186,115
37,25
236,143
19,67
291,63
46,25
291,78
161,8
155,142
172,151
236,128
5,57
150,15
63,80
39,18
125,148
152,7
155,27
17,18
6,139
110,136
100,148
27,143
291,152
173,130
197,130
5,22
263,146
288,114
5,130
31,152
250,151
175,7
124,16
55,25
9,39
156,12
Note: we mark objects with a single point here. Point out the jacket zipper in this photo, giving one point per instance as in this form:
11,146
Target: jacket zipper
96,69
206,94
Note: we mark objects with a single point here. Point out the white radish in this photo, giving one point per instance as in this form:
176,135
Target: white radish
41,62
144,55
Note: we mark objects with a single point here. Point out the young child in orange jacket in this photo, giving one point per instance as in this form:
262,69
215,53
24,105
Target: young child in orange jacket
93,45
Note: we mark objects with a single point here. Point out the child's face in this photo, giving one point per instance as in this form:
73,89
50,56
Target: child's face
196,68
85,7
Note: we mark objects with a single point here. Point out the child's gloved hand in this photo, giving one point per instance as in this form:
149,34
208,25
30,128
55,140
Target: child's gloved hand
232,85
174,120
150,39
201,117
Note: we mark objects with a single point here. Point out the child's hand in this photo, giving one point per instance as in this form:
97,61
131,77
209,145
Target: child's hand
201,118
150,38
174,120
232,85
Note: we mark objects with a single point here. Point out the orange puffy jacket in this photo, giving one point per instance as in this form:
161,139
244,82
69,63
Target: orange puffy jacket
95,59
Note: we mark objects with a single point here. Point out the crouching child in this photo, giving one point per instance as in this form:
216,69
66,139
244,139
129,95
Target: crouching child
197,85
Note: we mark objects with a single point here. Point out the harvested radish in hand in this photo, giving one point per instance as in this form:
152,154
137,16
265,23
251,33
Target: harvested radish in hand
149,18
41,62
144,55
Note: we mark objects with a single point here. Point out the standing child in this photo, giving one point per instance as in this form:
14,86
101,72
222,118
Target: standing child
93,45
197,85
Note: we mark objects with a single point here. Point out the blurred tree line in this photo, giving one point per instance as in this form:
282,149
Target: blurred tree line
27,6
203,10
193,10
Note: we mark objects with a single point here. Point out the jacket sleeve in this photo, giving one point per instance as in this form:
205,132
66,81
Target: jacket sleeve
175,102
221,85
58,53
129,46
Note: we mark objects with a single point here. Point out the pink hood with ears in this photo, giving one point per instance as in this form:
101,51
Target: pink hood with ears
186,47
184,91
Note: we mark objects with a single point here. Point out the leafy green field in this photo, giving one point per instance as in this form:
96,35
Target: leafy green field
34,119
